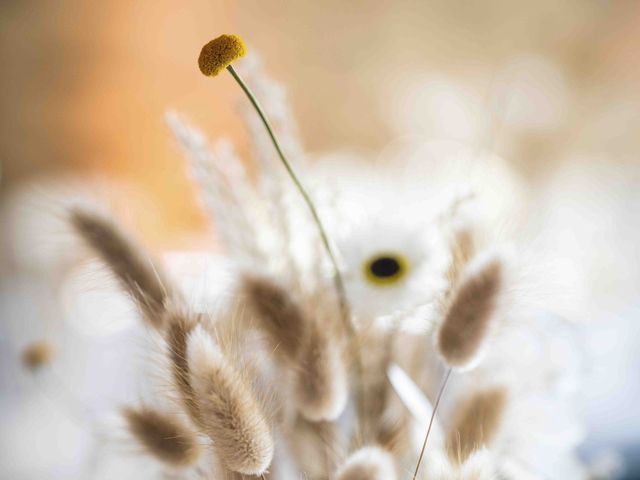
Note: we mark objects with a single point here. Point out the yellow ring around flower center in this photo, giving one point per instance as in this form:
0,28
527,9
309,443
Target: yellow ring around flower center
385,268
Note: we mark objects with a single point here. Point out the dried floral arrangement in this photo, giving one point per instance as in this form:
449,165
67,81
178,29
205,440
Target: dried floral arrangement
364,349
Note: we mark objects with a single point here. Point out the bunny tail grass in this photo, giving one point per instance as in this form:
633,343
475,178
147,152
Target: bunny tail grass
163,436
321,384
277,315
138,275
180,324
228,412
468,317
476,423
368,463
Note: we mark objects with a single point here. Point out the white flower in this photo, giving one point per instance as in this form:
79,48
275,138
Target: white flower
391,266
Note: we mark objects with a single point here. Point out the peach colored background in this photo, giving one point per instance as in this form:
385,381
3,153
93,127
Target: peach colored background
85,83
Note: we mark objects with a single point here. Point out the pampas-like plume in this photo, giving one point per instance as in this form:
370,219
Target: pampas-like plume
476,423
226,192
163,436
137,274
321,384
468,317
277,315
368,463
228,412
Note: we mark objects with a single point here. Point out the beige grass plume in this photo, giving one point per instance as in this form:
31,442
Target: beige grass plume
229,413
135,271
471,309
321,386
368,463
313,351
476,422
179,324
276,314
163,436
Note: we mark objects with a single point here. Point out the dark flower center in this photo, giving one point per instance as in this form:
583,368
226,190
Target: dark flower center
385,268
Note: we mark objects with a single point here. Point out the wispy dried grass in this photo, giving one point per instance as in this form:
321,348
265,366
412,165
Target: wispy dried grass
218,382
277,314
139,276
228,411
321,384
471,309
476,422
179,324
163,436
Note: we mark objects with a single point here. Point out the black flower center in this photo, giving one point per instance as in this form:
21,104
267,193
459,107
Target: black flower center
385,268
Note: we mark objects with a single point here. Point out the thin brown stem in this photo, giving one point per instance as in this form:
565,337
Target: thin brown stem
433,416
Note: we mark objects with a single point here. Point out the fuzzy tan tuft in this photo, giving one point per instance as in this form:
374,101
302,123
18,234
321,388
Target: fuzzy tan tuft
277,315
476,423
321,384
229,414
138,275
179,325
468,318
368,463
37,355
163,436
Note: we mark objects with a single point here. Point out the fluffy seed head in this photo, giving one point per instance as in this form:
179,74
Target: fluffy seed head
179,325
468,317
476,422
228,412
321,384
137,274
277,315
368,463
219,53
37,355
163,436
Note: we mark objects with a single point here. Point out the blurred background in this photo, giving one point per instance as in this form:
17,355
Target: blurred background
550,86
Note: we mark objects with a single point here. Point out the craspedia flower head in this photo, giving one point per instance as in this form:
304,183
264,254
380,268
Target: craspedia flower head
219,53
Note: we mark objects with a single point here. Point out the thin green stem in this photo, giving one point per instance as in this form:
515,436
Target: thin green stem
337,277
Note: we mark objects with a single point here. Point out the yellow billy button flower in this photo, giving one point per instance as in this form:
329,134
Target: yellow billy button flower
219,53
